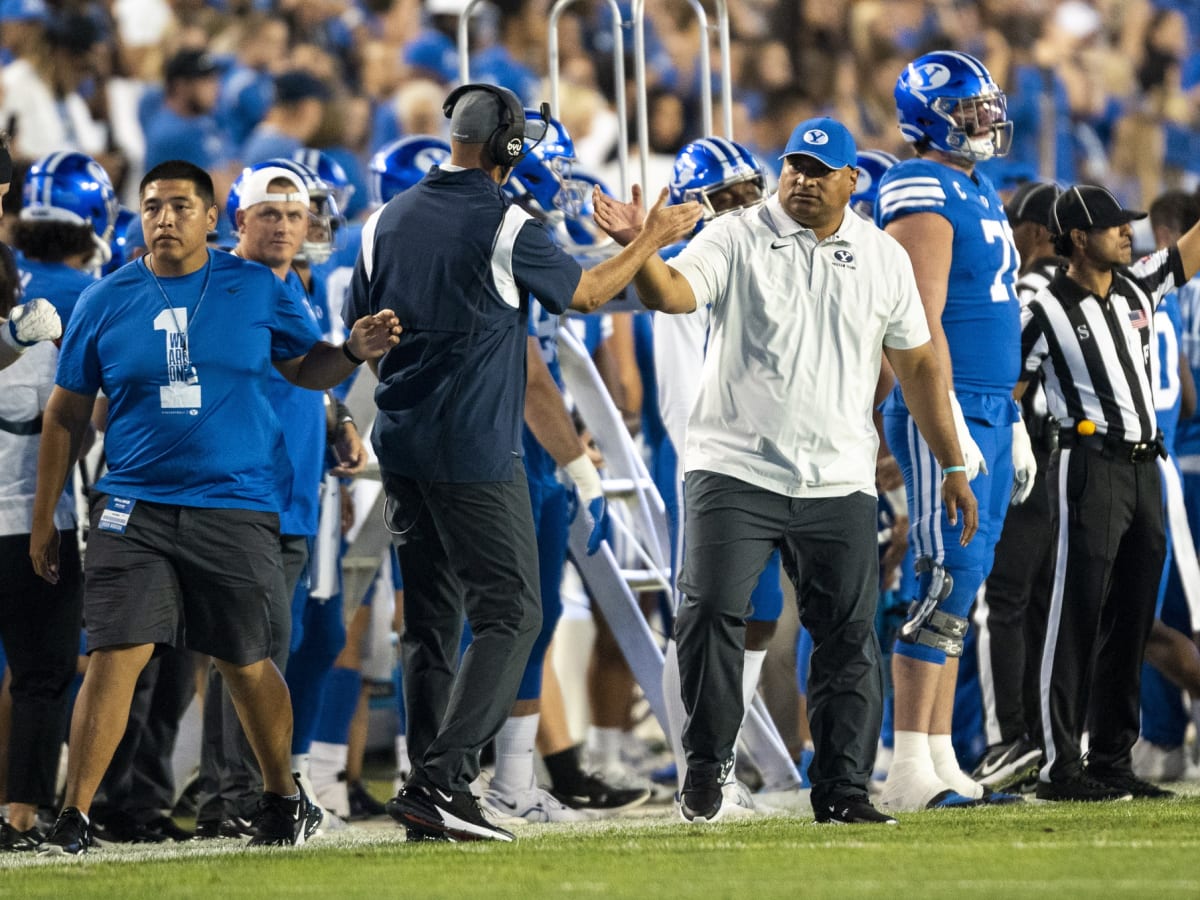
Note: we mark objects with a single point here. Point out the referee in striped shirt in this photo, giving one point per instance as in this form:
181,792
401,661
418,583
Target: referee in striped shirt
1090,331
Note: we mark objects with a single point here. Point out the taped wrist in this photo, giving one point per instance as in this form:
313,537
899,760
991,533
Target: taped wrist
587,480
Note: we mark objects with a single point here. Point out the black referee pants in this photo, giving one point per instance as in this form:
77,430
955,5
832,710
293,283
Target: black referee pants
1016,598
1110,548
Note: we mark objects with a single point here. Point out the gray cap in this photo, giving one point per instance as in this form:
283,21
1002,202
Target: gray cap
475,118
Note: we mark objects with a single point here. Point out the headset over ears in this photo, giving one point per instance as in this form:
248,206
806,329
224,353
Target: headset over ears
506,145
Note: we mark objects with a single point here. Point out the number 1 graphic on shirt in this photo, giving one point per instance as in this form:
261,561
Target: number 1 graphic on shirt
182,390
995,230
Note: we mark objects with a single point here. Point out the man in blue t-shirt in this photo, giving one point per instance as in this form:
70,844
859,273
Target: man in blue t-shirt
185,524
184,127
457,262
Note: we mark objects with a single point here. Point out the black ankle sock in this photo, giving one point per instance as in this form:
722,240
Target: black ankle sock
563,767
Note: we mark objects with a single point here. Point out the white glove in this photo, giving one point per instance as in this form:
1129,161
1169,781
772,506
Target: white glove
31,322
972,456
589,499
1024,464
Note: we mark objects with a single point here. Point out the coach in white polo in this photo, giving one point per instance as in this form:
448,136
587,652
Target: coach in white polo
781,451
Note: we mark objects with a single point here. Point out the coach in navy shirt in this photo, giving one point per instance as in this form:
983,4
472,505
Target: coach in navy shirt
456,262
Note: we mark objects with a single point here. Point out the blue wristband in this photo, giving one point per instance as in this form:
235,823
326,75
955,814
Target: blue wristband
950,470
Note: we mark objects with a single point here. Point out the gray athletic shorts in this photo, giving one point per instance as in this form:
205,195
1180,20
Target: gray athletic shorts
183,576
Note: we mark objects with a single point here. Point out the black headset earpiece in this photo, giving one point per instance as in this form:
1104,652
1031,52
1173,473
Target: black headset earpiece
506,145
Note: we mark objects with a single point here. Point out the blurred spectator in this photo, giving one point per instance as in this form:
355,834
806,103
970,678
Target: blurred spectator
292,120
185,127
249,88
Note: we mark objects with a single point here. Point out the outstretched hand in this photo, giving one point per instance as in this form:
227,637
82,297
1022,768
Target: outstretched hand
620,221
373,336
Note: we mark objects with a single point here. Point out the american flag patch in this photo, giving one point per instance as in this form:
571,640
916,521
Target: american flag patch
1137,318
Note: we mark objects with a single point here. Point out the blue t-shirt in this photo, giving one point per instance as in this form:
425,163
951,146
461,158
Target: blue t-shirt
186,368
54,281
246,95
302,414
267,143
456,262
981,318
196,139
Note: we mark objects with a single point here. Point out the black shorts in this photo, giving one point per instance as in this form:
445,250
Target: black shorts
183,576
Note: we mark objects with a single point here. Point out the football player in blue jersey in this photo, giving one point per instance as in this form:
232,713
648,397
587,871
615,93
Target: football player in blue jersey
871,166
722,176
951,221
1171,656
39,623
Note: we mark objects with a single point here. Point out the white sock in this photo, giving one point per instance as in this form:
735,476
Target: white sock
604,746
325,763
945,763
514,754
752,663
912,747
676,714
300,763
403,763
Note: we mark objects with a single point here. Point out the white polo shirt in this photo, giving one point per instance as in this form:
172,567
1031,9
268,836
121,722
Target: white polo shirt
798,328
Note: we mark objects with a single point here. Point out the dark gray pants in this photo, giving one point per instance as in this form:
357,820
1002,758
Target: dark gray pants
230,781
830,553
469,550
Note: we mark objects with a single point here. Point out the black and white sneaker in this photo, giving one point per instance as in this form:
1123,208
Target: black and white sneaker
591,791
427,810
285,821
1130,783
71,835
1006,766
851,811
231,827
14,841
1080,789
362,805
702,795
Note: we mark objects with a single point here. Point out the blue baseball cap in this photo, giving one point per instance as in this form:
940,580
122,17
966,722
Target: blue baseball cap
435,53
823,139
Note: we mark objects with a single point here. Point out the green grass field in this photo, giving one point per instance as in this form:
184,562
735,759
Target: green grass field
1148,849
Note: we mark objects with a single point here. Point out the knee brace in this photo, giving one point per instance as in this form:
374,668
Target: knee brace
928,625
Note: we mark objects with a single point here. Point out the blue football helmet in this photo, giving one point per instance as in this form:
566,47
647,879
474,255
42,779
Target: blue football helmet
710,165
323,209
871,166
401,164
541,180
578,234
330,171
126,238
947,100
72,187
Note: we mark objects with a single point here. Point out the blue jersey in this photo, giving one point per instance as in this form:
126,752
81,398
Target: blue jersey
185,363
982,318
301,412
543,325
1164,367
196,139
53,281
1187,438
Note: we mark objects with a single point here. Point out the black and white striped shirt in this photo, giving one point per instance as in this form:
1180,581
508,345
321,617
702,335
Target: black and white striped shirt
1033,402
1095,352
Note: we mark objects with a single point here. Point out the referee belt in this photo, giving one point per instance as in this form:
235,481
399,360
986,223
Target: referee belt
1109,448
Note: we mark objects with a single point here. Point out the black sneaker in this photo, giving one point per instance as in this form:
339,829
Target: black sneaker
230,827
14,841
433,810
1131,784
115,826
590,791
284,822
362,804
71,834
1080,789
164,829
852,811
1005,766
701,797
